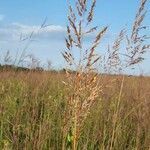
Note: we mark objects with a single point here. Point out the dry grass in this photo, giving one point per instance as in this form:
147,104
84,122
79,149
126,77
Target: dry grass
84,86
33,108
81,109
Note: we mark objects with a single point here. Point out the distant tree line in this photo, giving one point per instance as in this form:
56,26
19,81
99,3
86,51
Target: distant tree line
18,68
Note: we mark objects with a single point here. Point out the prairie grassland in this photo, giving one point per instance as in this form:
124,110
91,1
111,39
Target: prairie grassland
81,109
32,108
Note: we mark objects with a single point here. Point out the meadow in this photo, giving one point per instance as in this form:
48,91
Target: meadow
91,104
33,105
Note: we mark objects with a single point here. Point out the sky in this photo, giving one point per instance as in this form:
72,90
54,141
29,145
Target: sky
19,18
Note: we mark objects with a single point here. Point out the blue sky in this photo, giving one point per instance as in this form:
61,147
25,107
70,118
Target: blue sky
18,17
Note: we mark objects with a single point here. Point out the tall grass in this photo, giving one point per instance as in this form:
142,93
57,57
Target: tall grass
85,88
80,108
32,113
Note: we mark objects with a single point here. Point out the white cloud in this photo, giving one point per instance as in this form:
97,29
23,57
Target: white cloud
17,31
26,29
20,32
1,17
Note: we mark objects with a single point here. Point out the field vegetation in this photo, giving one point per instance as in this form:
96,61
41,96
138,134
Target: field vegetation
33,104
82,106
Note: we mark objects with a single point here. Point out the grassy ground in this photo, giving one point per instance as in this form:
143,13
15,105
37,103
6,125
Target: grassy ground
32,111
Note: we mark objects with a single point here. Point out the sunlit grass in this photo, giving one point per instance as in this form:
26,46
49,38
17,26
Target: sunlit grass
32,110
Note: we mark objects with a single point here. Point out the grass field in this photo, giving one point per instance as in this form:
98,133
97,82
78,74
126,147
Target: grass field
84,106
32,113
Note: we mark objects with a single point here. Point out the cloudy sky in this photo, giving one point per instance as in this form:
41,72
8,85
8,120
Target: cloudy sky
19,18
